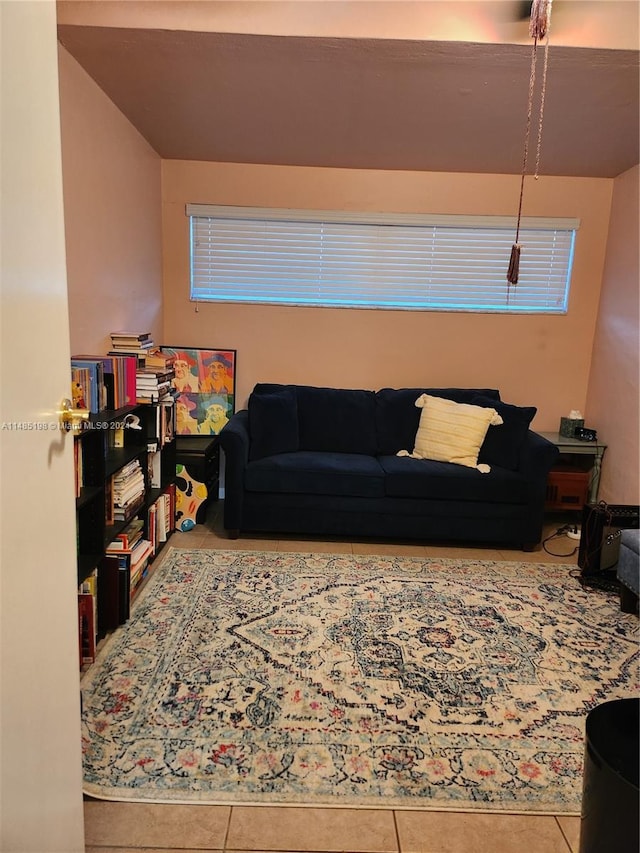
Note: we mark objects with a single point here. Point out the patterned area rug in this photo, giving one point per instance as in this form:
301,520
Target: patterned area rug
319,679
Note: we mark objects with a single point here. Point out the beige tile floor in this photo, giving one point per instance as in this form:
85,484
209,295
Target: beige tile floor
127,827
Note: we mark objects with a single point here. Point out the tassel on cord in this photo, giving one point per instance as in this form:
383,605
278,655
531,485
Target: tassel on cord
514,264
540,18
538,28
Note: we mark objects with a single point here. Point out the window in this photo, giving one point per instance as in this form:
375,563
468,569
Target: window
395,261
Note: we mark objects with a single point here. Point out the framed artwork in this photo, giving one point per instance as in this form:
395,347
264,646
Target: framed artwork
205,380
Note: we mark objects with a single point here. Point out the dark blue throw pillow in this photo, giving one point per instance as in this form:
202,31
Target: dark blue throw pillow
502,444
397,418
273,421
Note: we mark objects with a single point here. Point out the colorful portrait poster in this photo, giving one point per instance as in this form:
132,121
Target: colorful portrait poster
205,381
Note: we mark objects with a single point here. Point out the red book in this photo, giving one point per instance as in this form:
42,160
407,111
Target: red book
86,627
131,368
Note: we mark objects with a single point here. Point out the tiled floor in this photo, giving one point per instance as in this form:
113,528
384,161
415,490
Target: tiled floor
126,827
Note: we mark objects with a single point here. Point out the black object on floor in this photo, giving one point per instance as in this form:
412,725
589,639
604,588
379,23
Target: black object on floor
610,795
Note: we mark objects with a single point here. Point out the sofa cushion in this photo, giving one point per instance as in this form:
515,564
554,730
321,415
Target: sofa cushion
273,422
397,418
310,472
628,568
422,478
451,432
336,419
503,442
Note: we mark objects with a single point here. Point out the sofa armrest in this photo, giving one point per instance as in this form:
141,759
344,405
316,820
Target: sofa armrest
234,441
537,457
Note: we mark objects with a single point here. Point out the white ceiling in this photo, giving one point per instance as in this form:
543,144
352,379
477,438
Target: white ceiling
239,85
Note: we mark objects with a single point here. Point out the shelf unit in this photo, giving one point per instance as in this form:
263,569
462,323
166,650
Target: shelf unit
107,442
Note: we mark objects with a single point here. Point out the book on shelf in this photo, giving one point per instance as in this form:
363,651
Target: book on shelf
131,346
131,337
116,583
127,470
87,627
88,389
166,420
166,513
108,594
127,538
154,465
105,381
156,359
125,483
135,352
154,381
132,567
90,583
163,428
127,490
124,371
124,492
108,378
126,487
155,374
137,344
161,517
139,564
88,617
128,510
123,505
149,397
140,551
108,501
159,387
78,467
124,592
80,387
152,532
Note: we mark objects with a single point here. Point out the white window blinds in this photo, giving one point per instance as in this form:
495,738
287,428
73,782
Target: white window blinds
396,261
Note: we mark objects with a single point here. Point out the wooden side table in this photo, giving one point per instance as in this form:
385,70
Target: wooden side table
575,447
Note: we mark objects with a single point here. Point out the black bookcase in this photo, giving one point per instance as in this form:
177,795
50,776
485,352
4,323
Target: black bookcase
106,443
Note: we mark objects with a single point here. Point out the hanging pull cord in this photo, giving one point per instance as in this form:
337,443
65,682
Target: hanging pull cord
514,261
539,27
542,97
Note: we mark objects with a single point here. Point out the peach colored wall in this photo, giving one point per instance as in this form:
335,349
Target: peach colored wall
613,24
536,360
112,210
614,388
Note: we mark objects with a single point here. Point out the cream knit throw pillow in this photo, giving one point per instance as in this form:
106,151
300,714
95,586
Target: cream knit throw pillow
452,432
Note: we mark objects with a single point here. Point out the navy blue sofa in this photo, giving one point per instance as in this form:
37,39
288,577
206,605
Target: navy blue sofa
322,461
628,570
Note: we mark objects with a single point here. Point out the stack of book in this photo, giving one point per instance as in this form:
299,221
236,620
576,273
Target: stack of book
153,385
133,553
126,540
134,343
128,490
155,359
